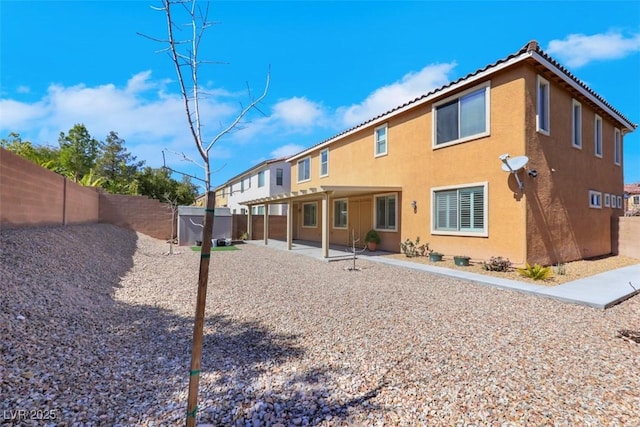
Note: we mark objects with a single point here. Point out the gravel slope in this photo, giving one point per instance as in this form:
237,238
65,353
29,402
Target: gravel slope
96,326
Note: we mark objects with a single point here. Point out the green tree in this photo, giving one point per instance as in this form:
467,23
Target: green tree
117,166
44,156
158,184
78,152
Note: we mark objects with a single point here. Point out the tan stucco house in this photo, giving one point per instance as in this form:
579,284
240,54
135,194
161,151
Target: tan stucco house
438,167
632,199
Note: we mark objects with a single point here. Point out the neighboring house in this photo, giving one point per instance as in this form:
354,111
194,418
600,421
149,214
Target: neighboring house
222,197
267,179
432,168
632,199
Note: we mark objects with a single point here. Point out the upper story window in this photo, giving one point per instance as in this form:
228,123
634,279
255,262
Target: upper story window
279,176
324,162
576,124
542,114
304,169
242,186
462,118
636,200
597,137
617,147
380,141
261,179
224,191
386,212
460,211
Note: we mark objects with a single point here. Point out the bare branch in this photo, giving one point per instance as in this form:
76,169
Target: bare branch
184,157
242,113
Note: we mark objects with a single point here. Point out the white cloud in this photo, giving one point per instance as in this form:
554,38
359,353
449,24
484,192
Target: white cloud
287,150
16,115
578,50
411,86
142,112
297,112
23,89
139,82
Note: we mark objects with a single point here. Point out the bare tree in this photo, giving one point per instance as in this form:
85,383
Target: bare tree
184,55
172,205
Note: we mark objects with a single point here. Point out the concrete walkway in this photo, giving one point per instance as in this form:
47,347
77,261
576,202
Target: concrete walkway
600,291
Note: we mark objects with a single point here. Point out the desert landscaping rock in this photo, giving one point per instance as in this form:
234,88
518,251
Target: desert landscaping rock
96,325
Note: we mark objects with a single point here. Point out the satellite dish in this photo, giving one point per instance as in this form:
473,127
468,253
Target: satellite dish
513,165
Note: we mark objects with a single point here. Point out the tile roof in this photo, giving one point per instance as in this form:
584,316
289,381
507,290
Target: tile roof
632,188
531,46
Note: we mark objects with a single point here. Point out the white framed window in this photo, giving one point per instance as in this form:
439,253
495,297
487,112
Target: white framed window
380,141
542,114
279,176
257,210
597,137
576,124
340,213
607,200
261,179
462,117
619,200
385,211
595,199
617,147
460,210
242,186
324,162
304,169
636,200
310,215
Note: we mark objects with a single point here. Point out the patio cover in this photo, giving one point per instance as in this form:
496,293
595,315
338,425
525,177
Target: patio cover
324,192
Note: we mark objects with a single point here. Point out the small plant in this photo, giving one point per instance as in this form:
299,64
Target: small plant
372,236
461,260
435,256
413,249
497,263
561,269
535,272
244,236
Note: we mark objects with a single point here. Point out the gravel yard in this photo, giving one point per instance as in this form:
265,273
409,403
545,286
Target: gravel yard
96,325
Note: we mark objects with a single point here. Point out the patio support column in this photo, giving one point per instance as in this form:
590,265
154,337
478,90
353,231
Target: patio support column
325,225
266,224
289,224
249,224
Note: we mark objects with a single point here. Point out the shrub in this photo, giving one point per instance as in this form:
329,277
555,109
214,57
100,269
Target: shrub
561,269
372,236
497,263
535,272
413,249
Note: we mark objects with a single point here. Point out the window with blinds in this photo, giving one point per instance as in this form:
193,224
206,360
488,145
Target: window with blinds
461,209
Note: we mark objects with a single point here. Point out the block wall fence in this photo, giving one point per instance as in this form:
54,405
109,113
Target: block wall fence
31,196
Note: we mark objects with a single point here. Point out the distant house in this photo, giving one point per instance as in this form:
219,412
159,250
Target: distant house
438,167
266,179
632,199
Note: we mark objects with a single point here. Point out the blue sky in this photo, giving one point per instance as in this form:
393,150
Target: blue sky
333,64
